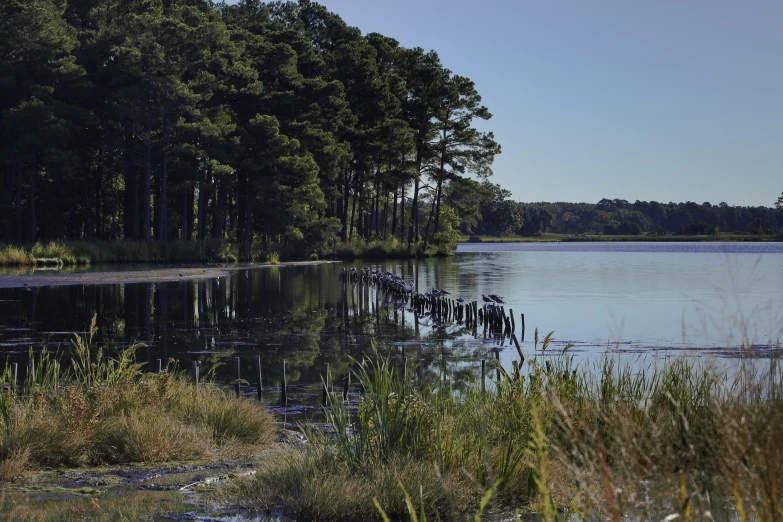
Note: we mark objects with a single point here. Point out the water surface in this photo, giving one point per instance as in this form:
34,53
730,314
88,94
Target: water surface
659,299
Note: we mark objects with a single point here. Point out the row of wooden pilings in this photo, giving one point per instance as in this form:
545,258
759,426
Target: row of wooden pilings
493,318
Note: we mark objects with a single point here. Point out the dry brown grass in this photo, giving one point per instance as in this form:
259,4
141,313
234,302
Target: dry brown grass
148,418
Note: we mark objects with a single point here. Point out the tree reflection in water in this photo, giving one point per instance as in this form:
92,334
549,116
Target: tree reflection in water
302,314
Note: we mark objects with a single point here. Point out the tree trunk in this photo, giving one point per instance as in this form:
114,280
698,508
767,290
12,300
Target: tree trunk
402,213
385,215
19,235
99,206
146,201
162,206
437,206
414,212
345,199
129,213
219,219
353,215
427,228
33,175
377,216
394,213
202,211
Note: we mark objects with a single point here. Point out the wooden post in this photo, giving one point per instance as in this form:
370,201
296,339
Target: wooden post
237,386
283,384
519,350
513,323
14,374
523,325
259,382
158,365
194,368
483,367
325,383
497,370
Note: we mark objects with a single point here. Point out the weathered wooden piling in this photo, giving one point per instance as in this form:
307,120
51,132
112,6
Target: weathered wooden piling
259,381
194,370
283,384
237,376
513,323
497,368
519,350
325,383
483,368
158,365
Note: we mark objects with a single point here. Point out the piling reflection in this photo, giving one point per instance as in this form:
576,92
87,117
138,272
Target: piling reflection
305,315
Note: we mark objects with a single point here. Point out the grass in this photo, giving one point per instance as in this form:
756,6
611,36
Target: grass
71,253
603,441
102,410
391,248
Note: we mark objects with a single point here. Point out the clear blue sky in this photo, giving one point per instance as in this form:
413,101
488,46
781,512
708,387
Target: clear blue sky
654,100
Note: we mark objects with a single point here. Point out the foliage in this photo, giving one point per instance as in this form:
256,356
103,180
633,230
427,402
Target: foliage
148,120
619,217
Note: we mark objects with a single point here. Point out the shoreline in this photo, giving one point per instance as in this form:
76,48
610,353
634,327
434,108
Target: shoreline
624,239
154,275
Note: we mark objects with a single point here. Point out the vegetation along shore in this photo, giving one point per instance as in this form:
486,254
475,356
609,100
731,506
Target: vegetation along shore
604,439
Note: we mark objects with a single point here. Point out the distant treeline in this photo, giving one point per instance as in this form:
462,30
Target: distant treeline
499,216
161,120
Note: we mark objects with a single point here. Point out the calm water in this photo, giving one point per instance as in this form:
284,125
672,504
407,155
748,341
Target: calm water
656,298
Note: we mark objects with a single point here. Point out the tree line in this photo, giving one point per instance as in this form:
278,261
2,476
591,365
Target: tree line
498,215
187,119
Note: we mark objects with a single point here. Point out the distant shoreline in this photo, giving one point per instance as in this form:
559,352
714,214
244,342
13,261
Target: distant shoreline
554,238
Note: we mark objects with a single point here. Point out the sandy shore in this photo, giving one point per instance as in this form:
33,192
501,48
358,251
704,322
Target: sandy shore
152,275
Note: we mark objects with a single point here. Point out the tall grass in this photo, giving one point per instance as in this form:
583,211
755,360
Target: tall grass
107,410
607,439
11,255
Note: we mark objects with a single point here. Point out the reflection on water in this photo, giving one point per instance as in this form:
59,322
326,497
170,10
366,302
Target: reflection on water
634,302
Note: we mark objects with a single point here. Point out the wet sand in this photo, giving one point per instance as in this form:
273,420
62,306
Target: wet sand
152,275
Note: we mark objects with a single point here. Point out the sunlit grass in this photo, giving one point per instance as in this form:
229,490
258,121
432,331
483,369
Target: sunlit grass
606,440
101,410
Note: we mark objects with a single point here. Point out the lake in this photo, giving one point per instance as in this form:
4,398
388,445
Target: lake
660,299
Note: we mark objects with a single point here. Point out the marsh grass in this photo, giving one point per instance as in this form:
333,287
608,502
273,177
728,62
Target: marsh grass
11,255
607,440
393,248
104,410
70,253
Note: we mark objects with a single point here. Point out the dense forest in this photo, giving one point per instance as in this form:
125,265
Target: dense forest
187,119
500,216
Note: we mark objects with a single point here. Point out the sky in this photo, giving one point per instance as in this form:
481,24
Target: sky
665,100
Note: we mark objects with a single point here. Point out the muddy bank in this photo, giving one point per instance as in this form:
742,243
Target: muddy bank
154,275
